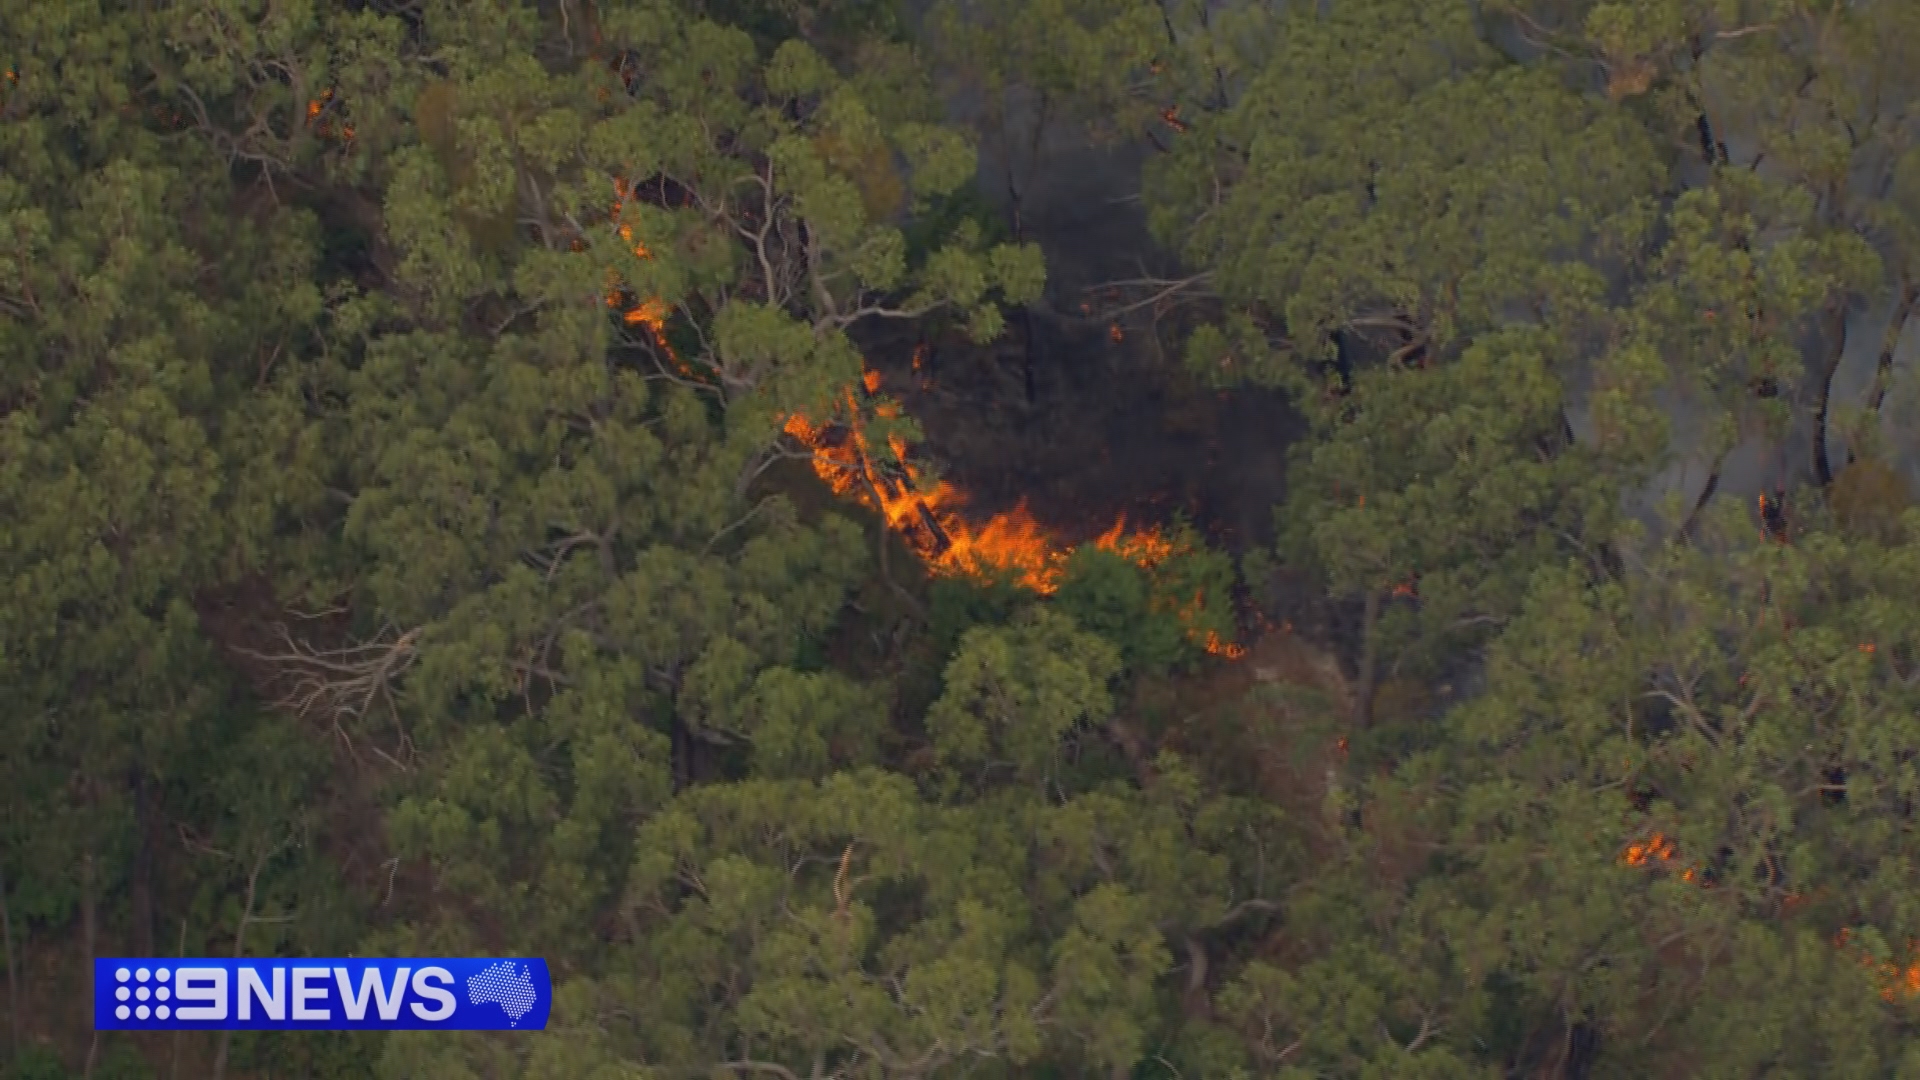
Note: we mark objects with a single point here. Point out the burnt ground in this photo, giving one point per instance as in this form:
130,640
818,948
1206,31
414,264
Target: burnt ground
1082,426
1085,428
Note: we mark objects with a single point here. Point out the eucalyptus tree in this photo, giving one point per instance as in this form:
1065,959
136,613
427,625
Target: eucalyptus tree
1010,909
137,305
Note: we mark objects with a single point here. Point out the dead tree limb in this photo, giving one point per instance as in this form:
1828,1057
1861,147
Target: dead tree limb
342,686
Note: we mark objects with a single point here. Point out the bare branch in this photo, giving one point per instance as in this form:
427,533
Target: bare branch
342,685
1167,290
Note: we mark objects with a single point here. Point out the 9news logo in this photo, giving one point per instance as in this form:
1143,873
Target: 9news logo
321,995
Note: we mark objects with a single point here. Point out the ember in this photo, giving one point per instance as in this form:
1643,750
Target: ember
1895,981
316,110
1656,847
1773,516
1655,850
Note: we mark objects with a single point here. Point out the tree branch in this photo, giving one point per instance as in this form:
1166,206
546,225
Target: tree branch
1167,289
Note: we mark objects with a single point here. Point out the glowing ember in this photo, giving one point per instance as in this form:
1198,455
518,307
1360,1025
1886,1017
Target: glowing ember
1773,518
1655,850
1894,980
324,128
1228,649
1656,847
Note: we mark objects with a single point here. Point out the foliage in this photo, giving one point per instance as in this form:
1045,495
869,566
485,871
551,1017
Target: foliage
401,547
1386,176
1159,616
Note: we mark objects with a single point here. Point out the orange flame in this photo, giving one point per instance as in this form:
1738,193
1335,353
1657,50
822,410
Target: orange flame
932,523
929,520
652,311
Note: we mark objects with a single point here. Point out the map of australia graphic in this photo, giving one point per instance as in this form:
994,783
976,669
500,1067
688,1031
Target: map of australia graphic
506,985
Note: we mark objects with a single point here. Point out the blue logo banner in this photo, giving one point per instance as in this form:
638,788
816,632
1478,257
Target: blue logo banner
321,995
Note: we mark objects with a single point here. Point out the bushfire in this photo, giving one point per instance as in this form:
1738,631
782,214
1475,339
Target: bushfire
929,521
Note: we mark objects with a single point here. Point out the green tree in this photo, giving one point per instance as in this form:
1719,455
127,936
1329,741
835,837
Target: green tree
1388,177
1436,525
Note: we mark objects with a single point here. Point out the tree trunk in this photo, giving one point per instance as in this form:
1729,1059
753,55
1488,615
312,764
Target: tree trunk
1883,371
1013,199
681,741
1195,1002
1134,749
1836,334
13,971
239,945
1706,496
1369,660
89,924
1040,110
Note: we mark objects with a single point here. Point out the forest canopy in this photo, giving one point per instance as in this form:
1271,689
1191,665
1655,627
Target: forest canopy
461,492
